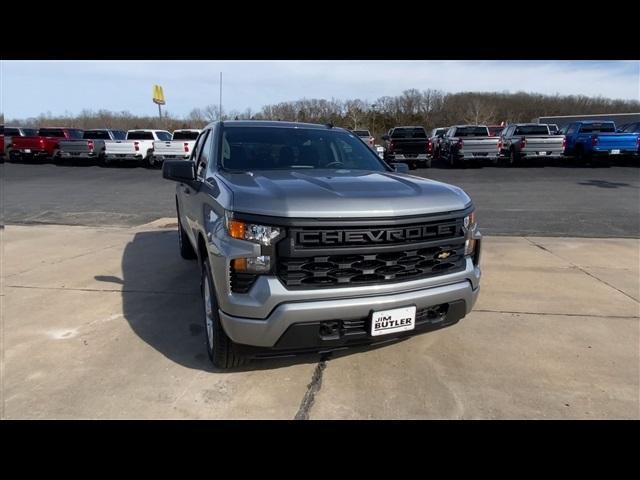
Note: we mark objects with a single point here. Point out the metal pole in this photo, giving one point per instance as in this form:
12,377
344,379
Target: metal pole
160,111
220,107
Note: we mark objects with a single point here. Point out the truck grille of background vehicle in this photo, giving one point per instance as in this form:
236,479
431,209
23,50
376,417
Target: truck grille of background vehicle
371,268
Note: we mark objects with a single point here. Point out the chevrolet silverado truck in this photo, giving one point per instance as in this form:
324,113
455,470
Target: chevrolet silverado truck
409,145
138,146
178,148
91,147
43,145
589,139
465,143
307,241
528,140
8,133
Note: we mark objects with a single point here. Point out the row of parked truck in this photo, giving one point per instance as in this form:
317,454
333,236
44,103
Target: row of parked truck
456,145
146,146
511,144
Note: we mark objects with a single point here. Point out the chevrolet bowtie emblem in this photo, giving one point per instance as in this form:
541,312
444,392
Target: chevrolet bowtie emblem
443,255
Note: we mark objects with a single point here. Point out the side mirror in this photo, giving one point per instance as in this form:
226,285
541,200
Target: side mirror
385,137
400,167
178,170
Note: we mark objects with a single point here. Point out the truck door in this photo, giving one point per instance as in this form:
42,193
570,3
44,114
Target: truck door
186,198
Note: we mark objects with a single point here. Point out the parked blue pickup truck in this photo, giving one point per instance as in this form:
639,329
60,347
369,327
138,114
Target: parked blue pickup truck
588,139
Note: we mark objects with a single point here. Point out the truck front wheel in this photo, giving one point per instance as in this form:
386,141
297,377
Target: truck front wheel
220,348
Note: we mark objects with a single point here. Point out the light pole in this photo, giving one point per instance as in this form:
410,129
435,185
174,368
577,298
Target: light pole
373,121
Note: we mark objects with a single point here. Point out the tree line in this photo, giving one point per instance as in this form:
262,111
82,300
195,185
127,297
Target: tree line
429,108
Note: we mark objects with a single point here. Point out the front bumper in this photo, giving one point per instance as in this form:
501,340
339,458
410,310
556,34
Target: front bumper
270,332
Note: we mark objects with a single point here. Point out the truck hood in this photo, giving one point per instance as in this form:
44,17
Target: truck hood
340,194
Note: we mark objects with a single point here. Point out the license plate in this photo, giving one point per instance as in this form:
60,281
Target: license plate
397,320
27,150
542,153
615,152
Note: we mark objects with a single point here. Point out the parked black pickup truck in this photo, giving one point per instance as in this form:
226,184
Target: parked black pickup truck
408,145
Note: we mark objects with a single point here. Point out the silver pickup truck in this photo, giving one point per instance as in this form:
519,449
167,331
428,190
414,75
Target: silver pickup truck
178,148
464,143
91,147
307,241
529,140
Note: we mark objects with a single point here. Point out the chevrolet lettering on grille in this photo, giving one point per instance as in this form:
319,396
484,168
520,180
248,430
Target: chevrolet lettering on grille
373,236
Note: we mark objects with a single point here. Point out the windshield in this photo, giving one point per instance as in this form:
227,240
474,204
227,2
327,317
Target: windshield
409,133
278,148
139,135
532,130
472,132
164,136
96,135
362,133
608,127
185,135
632,128
11,132
75,133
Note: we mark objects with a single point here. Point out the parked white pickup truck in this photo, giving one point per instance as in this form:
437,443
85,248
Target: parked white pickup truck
138,146
179,147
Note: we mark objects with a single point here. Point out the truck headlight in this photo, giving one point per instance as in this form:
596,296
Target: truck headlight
470,225
251,232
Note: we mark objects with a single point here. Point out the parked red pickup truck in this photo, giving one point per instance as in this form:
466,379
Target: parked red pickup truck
42,145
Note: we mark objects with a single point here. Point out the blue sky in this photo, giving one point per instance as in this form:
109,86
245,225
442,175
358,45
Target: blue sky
33,87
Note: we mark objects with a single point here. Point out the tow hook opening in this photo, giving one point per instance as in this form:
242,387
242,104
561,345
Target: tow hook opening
330,330
437,313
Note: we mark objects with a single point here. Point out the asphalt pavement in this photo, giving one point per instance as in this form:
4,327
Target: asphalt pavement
543,200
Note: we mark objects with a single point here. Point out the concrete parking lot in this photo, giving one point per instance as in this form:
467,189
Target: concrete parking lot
101,317
106,323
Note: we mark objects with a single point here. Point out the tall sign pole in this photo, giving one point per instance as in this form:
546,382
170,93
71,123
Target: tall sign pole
220,106
158,98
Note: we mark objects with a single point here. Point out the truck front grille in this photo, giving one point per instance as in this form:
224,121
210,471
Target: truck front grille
369,268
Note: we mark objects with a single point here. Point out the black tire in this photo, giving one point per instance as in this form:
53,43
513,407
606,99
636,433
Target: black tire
220,347
579,158
452,161
412,165
427,164
514,158
13,156
186,249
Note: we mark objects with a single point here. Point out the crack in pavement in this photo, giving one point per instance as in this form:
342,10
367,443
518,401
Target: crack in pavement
312,389
556,314
153,292
581,269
